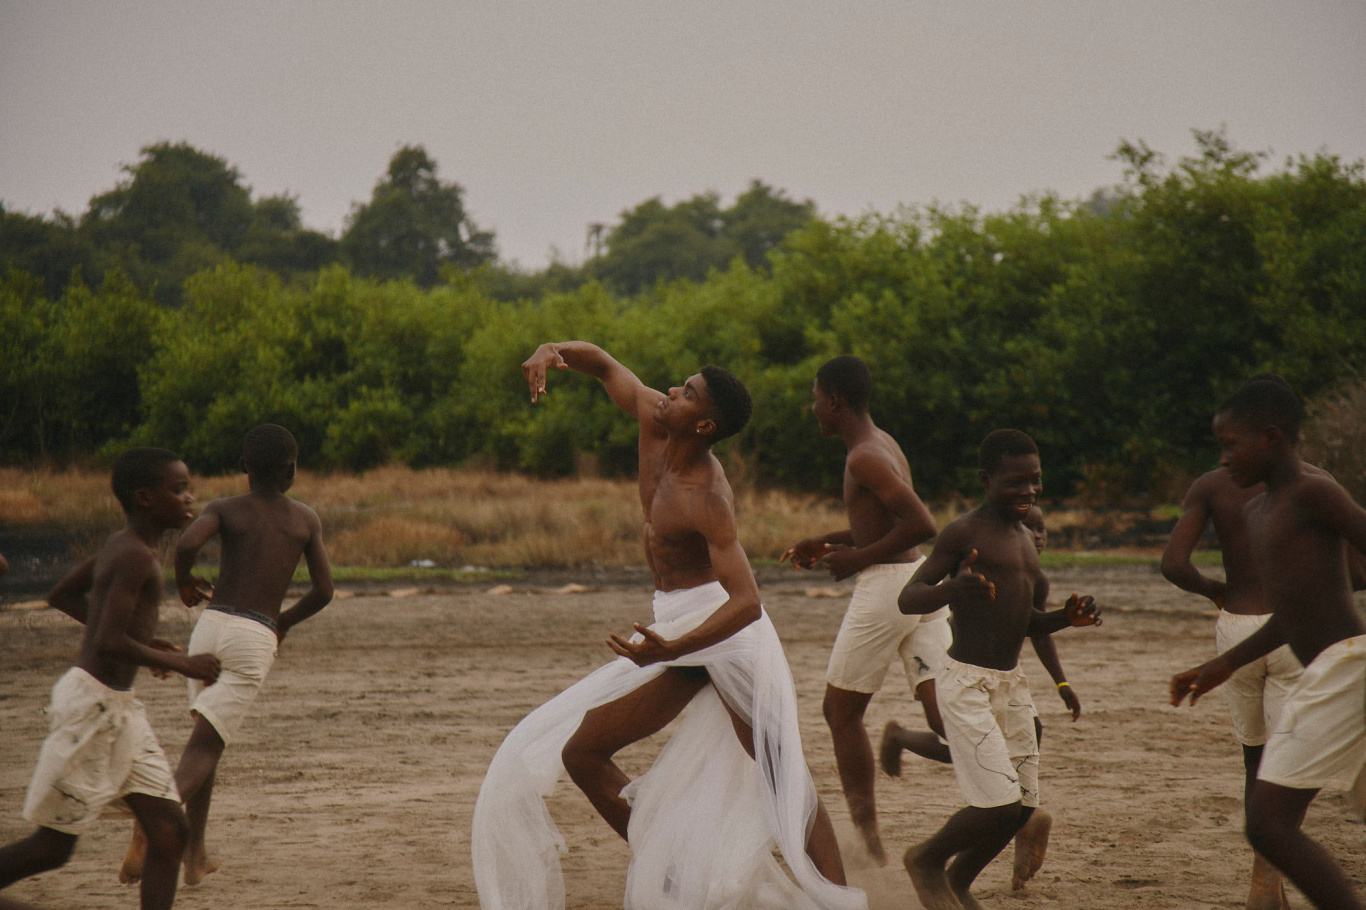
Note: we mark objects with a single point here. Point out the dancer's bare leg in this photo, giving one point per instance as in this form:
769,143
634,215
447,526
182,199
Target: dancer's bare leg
822,845
1275,815
844,712
194,778
609,728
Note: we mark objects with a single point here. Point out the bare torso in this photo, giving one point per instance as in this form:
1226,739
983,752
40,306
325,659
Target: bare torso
869,518
263,536
674,547
990,633
1227,501
1305,568
127,562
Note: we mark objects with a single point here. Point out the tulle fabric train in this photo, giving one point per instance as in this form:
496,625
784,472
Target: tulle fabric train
704,818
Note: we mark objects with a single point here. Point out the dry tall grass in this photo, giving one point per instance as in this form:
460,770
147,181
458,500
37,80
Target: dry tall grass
394,516
1334,435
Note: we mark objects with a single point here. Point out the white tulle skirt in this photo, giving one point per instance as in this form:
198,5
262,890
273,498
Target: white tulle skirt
704,818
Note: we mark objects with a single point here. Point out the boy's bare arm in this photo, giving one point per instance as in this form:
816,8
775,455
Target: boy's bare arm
320,590
913,523
924,593
1047,652
622,386
732,569
1212,673
1176,558
1079,610
130,573
804,553
191,587
69,595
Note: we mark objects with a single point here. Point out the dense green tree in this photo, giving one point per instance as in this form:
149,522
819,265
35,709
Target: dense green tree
414,225
654,242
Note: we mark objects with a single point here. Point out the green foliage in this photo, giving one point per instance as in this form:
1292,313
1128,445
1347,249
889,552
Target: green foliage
692,238
1108,329
413,225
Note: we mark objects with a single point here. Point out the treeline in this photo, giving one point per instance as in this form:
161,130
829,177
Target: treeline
1109,329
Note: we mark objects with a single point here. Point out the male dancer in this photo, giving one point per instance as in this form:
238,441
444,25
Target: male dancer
702,822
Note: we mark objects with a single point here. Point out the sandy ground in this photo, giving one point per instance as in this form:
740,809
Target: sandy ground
353,785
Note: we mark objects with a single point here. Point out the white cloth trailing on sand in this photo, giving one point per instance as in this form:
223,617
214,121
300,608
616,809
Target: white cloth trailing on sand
704,818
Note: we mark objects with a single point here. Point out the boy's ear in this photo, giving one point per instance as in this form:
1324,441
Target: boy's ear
1273,436
142,498
984,476
706,427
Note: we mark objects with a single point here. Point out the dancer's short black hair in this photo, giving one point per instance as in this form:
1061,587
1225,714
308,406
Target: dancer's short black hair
268,450
1267,403
1001,444
848,377
731,399
139,469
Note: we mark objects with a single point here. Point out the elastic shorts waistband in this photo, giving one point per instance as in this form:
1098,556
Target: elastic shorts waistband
262,618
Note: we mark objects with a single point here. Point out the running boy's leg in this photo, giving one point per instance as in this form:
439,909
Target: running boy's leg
194,778
164,825
1275,815
42,851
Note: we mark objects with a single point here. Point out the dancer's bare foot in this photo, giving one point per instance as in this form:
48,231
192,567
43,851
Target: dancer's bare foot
1268,890
931,884
889,750
131,870
197,865
1031,845
967,901
873,842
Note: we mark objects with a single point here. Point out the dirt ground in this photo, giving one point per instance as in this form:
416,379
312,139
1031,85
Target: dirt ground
354,784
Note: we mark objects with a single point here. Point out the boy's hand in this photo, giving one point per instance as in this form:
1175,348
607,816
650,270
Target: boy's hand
1200,680
537,365
196,592
1070,699
650,650
202,666
804,553
841,560
973,584
1082,611
161,644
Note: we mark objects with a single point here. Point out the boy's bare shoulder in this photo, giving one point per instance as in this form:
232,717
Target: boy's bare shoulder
126,553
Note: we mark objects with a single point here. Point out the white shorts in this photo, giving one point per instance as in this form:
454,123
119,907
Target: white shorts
1257,690
245,649
875,632
1319,741
99,749
989,722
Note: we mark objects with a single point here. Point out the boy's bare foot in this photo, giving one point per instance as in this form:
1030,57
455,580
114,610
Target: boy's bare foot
198,866
873,842
967,901
931,884
1268,890
1031,845
131,870
889,750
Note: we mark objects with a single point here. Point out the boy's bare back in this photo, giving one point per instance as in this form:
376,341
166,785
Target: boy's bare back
263,535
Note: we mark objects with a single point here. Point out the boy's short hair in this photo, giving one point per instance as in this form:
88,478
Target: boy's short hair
731,400
1001,444
848,377
268,449
139,469
1267,403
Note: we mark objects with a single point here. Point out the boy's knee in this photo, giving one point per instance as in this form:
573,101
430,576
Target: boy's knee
579,758
47,849
167,835
843,709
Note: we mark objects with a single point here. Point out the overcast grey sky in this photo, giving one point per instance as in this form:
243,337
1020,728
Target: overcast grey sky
553,115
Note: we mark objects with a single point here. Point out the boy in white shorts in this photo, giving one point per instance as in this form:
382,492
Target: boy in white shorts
1297,530
887,524
101,752
991,580
263,535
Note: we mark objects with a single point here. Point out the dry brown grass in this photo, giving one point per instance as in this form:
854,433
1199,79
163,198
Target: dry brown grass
394,516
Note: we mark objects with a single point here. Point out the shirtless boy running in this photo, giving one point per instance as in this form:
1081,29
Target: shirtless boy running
1298,532
991,580
887,523
101,750
710,633
263,534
